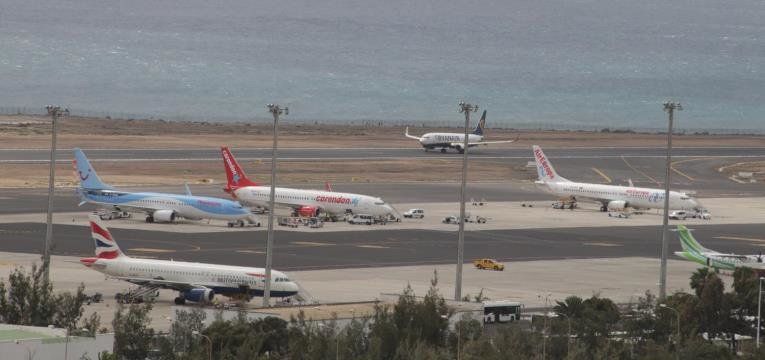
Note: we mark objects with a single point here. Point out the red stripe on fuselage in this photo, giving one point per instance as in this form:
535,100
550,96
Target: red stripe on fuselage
100,231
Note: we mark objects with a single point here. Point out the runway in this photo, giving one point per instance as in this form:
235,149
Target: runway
295,154
376,248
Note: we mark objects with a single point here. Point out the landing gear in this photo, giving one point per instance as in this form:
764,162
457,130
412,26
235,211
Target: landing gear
604,208
149,219
180,300
443,150
240,223
460,150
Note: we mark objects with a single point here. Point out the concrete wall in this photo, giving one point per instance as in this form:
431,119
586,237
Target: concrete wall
43,349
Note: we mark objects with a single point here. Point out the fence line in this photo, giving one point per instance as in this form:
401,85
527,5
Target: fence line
454,124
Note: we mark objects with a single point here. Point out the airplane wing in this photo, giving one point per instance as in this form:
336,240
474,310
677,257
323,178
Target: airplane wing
406,133
494,142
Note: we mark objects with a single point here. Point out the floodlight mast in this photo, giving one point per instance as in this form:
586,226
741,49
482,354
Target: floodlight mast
55,112
670,108
275,110
466,109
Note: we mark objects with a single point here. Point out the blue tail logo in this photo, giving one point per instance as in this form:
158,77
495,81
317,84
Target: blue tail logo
481,123
88,177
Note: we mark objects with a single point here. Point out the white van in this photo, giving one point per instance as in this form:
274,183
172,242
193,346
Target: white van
415,213
362,219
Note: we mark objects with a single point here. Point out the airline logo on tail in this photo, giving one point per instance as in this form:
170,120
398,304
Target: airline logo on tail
481,123
543,167
230,167
234,174
106,247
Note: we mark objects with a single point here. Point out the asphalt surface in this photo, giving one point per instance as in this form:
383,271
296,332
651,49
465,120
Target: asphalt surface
287,154
376,248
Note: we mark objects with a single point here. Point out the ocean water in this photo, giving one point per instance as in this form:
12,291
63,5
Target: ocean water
531,63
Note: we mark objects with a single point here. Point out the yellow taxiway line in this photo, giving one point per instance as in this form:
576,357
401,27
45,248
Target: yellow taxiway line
605,177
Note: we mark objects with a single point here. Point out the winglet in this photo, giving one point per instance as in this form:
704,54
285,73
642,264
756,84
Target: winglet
188,191
328,186
406,133
234,173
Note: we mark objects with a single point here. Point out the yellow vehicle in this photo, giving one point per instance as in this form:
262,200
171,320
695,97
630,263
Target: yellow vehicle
488,264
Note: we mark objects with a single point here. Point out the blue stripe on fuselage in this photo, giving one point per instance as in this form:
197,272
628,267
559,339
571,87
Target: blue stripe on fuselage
206,204
225,291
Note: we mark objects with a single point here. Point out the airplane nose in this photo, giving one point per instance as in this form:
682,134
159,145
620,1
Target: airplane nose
293,287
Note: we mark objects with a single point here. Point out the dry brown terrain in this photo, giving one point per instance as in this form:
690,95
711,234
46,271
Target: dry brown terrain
34,132
292,172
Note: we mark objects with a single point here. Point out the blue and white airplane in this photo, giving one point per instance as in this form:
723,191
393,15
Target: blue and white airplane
159,207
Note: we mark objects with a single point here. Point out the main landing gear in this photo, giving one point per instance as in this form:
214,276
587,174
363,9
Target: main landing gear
149,219
443,150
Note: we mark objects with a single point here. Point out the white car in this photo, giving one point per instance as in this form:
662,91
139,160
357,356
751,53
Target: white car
415,213
362,219
678,215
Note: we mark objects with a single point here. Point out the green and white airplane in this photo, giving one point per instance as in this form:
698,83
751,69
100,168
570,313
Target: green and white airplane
693,251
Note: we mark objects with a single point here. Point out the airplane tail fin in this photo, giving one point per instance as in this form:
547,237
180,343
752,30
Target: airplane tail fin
234,173
86,173
545,169
327,187
481,124
688,242
106,246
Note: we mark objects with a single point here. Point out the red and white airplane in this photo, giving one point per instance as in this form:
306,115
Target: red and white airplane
196,282
304,202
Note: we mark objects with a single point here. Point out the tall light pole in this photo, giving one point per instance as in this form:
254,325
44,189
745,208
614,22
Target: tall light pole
759,307
677,313
55,112
466,109
275,110
209,341
670,108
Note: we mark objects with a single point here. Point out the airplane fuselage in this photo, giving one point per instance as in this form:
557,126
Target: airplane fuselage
222,279
634,197
334,203
447,140
190,207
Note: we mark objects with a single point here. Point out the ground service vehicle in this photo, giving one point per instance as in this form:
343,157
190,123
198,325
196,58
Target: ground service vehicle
415,213
488,264
365,219
501,311
678,215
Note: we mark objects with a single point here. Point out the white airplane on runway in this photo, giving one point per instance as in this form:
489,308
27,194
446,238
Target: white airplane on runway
612,197
196,282
159,207
456,141
304,202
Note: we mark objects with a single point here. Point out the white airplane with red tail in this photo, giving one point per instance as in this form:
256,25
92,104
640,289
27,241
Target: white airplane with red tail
304,202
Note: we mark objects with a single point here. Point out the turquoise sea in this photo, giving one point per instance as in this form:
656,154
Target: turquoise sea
535,63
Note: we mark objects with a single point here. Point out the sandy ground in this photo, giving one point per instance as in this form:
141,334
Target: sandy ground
34,132
500,215
119,173
621,279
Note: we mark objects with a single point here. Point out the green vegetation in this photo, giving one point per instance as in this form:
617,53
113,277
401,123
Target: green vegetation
594,328
705,324
28,299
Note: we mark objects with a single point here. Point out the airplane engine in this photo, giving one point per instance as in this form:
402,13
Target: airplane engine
617,205
307,211
203,296
164,216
